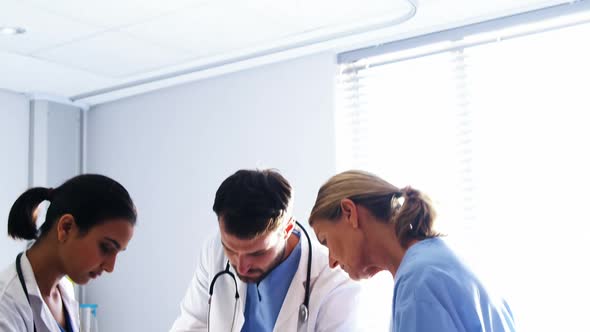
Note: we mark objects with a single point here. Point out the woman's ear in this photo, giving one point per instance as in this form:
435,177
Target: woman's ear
349,212
65,227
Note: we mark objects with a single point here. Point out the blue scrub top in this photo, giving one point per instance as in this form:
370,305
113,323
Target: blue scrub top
265,299
435,291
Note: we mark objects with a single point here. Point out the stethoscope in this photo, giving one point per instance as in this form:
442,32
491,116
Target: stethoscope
303,308
21,278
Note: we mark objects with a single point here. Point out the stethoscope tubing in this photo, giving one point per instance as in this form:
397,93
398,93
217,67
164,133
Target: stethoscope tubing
303,308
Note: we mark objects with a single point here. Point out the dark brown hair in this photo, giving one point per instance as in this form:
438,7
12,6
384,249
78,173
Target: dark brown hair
252,202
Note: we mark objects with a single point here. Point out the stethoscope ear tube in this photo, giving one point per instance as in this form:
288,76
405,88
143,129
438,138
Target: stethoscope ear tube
304,308
219,274
23,284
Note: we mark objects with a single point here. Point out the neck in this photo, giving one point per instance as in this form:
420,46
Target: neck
46,267
290,245
397,259
387,245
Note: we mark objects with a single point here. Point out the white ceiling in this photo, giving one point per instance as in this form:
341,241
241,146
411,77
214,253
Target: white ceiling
74,48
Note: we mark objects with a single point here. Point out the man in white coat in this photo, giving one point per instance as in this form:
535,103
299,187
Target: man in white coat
252,276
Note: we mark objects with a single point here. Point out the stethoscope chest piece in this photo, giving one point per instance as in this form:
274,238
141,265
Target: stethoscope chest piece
303,313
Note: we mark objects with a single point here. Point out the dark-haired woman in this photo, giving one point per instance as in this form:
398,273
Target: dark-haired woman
369,225
90,219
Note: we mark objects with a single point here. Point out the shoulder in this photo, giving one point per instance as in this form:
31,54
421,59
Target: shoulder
428,257
211,247
325,277
212,257
8,281
212,243
11,306
443,281
319,258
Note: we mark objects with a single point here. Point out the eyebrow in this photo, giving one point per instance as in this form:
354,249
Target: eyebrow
250,253
322,242
259,252
115,243
226,247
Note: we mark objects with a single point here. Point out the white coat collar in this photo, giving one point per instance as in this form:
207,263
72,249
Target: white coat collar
295,294
45,321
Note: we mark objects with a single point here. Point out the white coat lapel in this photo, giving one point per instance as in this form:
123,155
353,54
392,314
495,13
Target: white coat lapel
242,290
223,302
44,321
288,319
67,294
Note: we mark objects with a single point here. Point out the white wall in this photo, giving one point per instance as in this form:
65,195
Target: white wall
55,152
64,143
49,159
14,150
172,148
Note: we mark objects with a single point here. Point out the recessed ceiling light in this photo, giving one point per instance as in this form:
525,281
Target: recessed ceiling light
11,30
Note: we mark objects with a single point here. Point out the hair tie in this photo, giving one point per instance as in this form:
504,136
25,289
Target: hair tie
397,200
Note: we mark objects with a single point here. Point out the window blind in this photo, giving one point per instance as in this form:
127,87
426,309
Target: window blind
495,130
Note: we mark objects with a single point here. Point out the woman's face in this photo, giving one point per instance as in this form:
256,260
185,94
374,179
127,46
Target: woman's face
86,256
347,244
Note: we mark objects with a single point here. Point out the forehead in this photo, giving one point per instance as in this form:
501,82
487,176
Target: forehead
117,229
261,242
324,225
318,224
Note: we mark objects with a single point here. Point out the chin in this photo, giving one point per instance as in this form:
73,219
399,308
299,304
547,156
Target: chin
370,272
360,277
353,276
252,279
365,274
79,281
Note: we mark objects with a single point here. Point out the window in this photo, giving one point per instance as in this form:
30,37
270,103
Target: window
497,132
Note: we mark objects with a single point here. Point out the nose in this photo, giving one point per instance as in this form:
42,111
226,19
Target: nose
243,265
333,262
109,264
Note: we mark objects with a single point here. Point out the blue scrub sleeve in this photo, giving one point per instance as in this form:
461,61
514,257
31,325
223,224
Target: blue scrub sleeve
424,316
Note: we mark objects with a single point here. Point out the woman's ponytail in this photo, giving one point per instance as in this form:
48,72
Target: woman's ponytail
414,219
22,217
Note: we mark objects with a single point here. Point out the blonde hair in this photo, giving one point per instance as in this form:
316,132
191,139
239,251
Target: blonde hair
408,209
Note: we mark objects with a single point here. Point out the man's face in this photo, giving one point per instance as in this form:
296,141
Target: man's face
254,258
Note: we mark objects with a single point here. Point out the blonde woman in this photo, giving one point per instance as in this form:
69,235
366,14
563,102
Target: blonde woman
370,225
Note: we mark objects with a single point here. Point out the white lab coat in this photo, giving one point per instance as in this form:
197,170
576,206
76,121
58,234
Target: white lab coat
333,304
16,315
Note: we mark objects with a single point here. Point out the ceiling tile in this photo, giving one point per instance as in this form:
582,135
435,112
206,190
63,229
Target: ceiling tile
311,14
75,46
114,13
114,54
43,29
27,74
212,29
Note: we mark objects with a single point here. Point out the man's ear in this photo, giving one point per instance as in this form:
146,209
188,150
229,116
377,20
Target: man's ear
289,227
65,227
349,212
